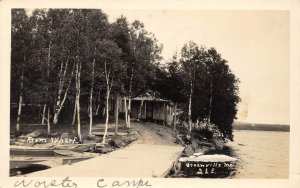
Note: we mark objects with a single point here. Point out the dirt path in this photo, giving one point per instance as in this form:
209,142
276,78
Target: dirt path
150,133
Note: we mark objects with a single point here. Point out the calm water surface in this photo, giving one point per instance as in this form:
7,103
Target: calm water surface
261,154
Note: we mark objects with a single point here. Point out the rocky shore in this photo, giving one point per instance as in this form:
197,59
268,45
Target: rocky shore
67,139
205,155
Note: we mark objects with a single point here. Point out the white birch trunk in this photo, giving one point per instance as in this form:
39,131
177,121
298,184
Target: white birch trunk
190,108
97,110
60,88
140,109
91,98
78,69
129,112
55,118
210,104
91,112
98,107
107,115
129,99
20,102
48,71
48,122
60,103
108,88
126,112
116,113
19,112
175,116
74,114
44,114
91,120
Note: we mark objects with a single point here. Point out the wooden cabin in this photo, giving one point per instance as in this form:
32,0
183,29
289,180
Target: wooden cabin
153,109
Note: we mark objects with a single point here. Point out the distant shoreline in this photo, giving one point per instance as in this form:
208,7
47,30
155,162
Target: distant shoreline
261,127
235,130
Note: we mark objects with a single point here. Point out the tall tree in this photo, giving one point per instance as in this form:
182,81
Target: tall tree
61,55
96,28
21,43
224,93
141,70
108,53
189,54
213,88
169,85
77,35
53,58
39,91
121,36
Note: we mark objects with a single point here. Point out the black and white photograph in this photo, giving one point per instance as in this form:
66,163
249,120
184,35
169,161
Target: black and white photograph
169,94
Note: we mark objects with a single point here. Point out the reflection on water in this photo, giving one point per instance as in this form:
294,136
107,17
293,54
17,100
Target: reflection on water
27,169
27,160
261,154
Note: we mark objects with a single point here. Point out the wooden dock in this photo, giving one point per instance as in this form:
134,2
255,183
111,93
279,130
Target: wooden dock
136,160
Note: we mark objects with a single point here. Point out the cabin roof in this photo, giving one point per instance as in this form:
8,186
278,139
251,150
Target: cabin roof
151,98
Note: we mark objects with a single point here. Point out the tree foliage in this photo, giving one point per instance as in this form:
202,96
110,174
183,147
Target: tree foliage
201,81
67,59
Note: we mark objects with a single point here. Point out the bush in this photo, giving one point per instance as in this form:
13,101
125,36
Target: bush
202,134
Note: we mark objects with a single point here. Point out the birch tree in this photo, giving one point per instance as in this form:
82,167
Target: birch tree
97,28
52,60
121,36
63,57
77,34
21,36
189,53
108,54
212,88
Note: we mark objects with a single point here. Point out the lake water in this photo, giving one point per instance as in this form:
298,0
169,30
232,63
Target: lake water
261,154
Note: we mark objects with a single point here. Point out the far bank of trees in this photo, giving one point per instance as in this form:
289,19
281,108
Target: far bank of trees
70,58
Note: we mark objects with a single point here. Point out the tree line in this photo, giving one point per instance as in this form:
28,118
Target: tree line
72,57
200,82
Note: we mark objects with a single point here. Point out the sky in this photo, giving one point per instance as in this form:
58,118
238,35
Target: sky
256,45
